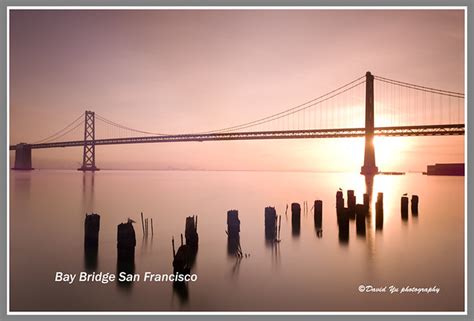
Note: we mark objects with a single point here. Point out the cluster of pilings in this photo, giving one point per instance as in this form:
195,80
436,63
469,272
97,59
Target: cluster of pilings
404,206
126,242
359,212
147,224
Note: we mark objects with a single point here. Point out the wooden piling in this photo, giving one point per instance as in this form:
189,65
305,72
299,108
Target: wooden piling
318,214
279,226
404,207
152,232
270,223
414,204
190,232
360,219
143,225
343,225
91,230
233,223
295,218
181,261
172,244
366,201
339,200
126,241
351,203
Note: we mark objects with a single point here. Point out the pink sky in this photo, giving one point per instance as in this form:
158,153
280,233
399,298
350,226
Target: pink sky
184,71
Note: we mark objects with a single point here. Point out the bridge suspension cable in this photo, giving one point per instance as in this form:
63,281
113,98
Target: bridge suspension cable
421,88
114,124
64,131
313,102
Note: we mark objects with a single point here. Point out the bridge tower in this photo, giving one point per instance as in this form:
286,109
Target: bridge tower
369,167
23,157
88,156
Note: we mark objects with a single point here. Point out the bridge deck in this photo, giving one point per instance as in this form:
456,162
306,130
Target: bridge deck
426,130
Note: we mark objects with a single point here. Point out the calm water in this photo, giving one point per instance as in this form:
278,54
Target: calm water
301,273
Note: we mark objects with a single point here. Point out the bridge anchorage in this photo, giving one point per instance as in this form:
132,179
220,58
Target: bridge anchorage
23,157
404,109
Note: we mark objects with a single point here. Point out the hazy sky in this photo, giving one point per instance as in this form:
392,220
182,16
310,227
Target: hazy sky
184,71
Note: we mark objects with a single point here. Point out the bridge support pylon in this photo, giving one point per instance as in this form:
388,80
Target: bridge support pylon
23,157
88,156
369,167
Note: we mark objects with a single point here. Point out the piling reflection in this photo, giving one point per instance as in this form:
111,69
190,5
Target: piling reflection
125,267
88,185
181,290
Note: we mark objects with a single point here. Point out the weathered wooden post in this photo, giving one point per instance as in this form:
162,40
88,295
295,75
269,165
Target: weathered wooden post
318,214
295,218
343,225
414,204
270,223
91,230
181,260
233,232
360,219
339,200
351,203
126,241
233,223
404,207
192,237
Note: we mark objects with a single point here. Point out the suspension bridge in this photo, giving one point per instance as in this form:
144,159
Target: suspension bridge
383,107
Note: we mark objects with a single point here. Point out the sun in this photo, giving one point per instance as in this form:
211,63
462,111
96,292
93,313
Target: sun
390,152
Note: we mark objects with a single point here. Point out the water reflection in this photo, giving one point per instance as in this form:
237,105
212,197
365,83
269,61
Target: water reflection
276,257
88,200
369,255
22,186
